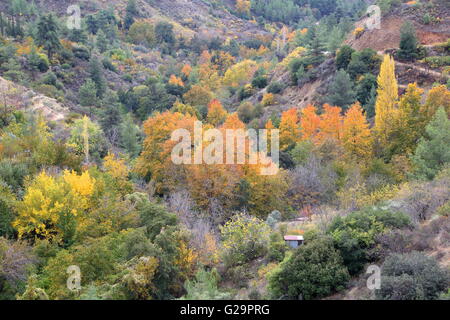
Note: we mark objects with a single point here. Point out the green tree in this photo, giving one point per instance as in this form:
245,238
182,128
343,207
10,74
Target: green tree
156,217
433,150
142,33
96,142
244,239
364,88
96,75
344,57
130,136
362,62
355,233
164,33
47,35
204,287
408,42
111,117
313,271
101,41
131,12
6,213
87,94
369,107
37,61
412,276
341,90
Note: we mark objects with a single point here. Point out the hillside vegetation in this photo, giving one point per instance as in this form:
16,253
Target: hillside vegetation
88,182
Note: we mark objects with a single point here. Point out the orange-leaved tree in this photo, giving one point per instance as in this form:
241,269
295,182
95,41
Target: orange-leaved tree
356,134
216,113
330,124
154,161
309,123
289,129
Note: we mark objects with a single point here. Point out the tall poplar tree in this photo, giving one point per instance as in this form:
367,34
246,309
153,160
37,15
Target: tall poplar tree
387,98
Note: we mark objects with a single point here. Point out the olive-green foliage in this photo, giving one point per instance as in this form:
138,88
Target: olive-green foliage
277,247
313,271
244,238
433,150
344,57
88,94
155,217
341,92
362,62
355,233
412,276
408,42
97,141
205,287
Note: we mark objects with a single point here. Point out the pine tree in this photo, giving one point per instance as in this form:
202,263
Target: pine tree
364,88
344,56
369,107
47,35
2,25
131,12
130,136
341,90
316,45
433,151
88,94
111,117
408,42
96,74
101,41
85,135
387,98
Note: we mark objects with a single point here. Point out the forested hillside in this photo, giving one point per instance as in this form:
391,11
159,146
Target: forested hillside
94,207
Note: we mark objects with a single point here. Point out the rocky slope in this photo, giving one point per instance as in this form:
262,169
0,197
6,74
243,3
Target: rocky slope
26,99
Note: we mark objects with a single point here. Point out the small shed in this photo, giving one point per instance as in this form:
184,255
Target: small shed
294,241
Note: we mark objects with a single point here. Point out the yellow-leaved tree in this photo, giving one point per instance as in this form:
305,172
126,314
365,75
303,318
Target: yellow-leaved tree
54,207
243,6
240,74
409,124
356,135
438,96
118,170
387,98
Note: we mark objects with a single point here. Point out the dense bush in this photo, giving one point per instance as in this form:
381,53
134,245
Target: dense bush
275,87
244,239
204,287
412,276
356,233
298,277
